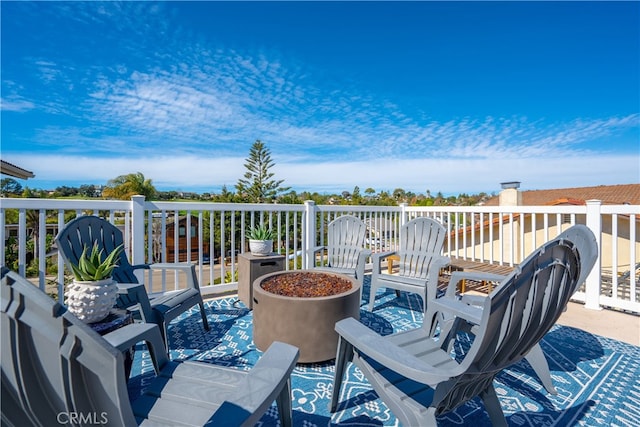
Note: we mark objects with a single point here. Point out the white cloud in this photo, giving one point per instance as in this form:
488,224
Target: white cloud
455,175
448,175
18,105
190,123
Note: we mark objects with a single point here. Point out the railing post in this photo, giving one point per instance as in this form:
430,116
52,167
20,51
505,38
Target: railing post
403,213
309,233
137,233
592,284
22,242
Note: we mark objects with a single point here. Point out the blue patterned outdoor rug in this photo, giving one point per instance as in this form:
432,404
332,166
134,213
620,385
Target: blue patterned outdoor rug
597,378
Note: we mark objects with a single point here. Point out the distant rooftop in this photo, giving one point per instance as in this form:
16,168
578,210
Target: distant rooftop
609,194
10,169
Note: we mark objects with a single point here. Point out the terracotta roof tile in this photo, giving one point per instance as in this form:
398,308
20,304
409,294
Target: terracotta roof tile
609,194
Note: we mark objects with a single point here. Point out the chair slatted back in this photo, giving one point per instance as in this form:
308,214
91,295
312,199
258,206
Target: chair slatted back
420,239
53,365
521,310
85,231
345,239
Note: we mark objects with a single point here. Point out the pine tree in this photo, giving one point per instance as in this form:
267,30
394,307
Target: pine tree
257,186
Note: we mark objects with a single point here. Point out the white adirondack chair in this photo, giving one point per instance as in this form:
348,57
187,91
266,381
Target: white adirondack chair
345,250
421,259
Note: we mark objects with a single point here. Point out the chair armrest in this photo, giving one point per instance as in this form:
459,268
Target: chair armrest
139,266
379,256
438,262
452,307
477,300
125,338
180,266
458,276
365,252
376,261
317,249
259,388
361,262
376,347
188,268
314,253
134,297
129,287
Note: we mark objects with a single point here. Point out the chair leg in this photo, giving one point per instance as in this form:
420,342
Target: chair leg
343,356
538,362
372,295
165,335
492,405
205,323
283,402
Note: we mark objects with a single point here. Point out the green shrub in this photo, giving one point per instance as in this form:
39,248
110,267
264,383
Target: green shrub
260,232
95,266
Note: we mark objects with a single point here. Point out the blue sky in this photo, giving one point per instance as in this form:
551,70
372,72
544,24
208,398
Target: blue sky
446,96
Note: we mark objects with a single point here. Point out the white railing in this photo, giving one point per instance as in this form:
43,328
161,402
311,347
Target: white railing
498,235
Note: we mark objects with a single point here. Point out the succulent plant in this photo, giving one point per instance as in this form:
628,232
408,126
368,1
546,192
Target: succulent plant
95,266
260,232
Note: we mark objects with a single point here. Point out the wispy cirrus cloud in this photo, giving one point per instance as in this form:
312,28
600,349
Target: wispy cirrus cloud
212,107
160,104
15,104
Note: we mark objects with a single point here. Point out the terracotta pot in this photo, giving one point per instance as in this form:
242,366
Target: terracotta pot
91,301
307,323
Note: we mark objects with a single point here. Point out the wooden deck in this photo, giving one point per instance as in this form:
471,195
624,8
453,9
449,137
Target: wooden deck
459,264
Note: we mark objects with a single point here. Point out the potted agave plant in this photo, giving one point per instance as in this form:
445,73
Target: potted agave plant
93,292
260,240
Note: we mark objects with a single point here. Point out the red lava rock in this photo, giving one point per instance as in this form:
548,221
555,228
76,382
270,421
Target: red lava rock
306,285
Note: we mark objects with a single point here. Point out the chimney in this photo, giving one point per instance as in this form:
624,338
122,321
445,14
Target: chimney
510,194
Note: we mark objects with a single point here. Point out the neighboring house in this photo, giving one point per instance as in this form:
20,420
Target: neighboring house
512,196
608,194
184,236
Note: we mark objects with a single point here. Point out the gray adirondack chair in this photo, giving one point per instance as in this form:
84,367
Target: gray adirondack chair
418,379
56,369
421,260
345,250
446,311
162,309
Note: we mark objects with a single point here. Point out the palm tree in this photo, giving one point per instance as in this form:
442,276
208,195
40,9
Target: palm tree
125,186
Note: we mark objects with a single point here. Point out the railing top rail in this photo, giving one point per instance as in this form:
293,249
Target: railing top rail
359,208
69,204
212,206
124,205
501,209
620,209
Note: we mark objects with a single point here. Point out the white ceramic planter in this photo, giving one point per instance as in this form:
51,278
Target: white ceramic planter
91,301
261,247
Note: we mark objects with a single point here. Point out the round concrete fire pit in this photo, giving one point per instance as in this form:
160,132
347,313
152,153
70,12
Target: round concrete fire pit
307,322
